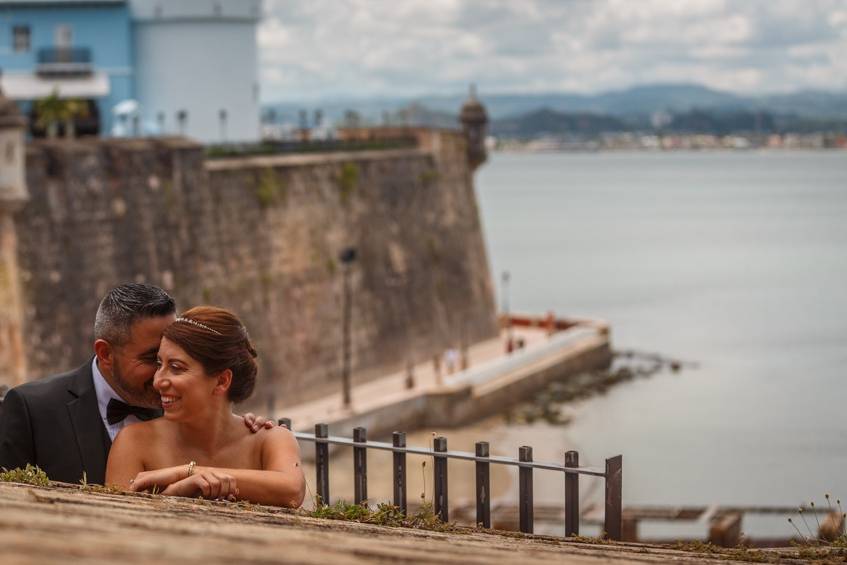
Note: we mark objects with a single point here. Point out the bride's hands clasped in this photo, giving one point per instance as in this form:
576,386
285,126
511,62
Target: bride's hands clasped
175,481
207,484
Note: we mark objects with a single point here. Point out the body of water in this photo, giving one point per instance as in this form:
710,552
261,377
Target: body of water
735,261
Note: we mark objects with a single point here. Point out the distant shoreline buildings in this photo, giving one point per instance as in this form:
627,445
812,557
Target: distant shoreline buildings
675,142
141,67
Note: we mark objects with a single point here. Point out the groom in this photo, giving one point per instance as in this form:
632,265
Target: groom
65,424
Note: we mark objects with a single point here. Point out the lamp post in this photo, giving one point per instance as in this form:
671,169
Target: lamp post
505,289
182,121
347,256
304,129
222,117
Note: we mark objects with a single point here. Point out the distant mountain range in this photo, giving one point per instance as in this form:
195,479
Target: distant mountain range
553,123
632,104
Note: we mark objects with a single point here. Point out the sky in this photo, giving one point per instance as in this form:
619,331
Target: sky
325,49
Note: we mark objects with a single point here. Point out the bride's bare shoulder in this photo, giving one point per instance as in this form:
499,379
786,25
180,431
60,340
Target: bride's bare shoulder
279,438
140,432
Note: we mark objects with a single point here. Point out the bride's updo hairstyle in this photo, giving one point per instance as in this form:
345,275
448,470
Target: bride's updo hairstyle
218,340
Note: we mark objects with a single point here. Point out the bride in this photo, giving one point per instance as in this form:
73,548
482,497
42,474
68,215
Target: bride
199,447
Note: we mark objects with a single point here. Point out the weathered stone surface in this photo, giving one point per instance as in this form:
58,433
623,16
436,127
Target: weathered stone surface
62,524
260,236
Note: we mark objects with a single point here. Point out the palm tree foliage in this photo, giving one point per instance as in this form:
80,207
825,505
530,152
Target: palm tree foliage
52,110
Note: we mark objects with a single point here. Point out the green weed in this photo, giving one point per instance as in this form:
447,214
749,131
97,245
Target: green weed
383,515
729,553
348,180
428,177
270,189
30,475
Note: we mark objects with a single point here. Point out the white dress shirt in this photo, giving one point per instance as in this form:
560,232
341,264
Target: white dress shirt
104,394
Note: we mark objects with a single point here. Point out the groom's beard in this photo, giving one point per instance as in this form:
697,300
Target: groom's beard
145,397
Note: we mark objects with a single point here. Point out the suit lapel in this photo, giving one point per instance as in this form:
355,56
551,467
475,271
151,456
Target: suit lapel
88,427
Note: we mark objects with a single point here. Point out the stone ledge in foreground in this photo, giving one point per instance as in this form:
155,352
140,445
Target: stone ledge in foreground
62,523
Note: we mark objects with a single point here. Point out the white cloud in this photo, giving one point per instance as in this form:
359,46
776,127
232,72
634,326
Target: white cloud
344,48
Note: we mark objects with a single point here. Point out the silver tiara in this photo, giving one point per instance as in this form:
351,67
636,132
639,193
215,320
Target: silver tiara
198,324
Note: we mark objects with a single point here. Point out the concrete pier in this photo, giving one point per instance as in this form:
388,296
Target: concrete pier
492,382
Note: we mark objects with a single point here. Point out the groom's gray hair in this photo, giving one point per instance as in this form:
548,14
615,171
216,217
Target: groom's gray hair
126,304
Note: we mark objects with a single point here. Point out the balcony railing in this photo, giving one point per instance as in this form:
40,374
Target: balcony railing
612,475
64,61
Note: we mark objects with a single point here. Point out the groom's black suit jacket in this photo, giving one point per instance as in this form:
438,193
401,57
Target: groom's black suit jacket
55,423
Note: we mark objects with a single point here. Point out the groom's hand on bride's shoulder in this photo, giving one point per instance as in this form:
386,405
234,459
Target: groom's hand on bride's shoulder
255,423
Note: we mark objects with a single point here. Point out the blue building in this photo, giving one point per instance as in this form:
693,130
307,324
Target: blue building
186,67
196,68
80,49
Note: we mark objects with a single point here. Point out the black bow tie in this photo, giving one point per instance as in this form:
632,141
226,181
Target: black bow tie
117,411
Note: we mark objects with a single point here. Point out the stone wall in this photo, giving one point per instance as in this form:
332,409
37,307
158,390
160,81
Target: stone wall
12,359
261,236
13,194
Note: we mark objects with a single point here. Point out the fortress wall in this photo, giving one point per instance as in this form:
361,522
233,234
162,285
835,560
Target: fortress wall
261,236
12,360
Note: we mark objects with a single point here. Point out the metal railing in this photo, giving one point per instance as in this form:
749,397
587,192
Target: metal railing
64,61
612,474
53,55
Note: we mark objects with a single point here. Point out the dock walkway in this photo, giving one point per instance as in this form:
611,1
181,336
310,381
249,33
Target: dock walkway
492,382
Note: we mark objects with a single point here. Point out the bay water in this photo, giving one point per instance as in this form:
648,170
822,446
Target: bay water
735,261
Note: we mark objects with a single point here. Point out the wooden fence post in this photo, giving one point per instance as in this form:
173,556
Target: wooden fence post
614,497
322,463
571,495
360,467
525,503
399,440
483,486
440,479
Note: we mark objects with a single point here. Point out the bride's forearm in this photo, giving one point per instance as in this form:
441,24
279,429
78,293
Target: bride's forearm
274,488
